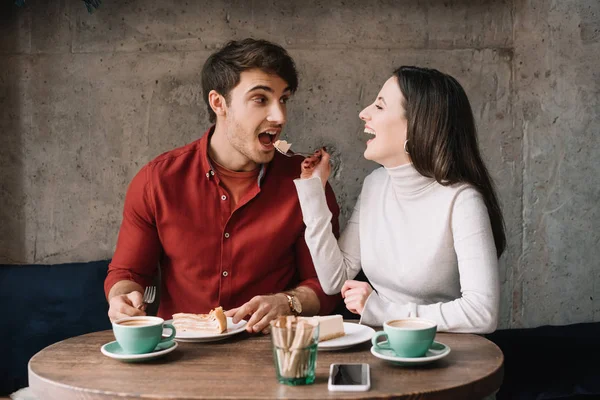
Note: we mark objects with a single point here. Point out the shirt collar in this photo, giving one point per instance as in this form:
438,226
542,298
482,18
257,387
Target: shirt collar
207,167
407,180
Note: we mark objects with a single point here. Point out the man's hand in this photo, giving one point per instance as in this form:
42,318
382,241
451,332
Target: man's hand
125,305
262,310
355,294
317,165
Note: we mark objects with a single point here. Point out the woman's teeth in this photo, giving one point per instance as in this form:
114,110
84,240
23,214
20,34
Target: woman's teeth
370,131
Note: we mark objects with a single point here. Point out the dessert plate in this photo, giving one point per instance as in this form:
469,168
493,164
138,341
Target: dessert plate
355,334
232,329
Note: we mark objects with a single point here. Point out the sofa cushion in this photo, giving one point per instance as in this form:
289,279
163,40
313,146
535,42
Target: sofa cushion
550,362
44,304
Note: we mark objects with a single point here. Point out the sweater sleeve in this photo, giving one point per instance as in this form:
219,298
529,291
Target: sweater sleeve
306,269
335,262
476,311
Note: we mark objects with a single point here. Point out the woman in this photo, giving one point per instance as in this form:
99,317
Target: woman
427,229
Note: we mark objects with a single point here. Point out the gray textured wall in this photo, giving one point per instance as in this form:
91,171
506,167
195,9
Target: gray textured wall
86,100
556,108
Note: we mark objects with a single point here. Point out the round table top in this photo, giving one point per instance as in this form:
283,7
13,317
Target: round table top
242,367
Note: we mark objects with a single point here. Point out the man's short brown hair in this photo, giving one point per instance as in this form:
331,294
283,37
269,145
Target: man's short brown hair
222,70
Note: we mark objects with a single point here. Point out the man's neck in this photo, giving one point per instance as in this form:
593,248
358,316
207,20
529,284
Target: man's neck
223,153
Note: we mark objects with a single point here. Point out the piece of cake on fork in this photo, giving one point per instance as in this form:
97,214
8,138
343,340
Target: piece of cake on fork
213,322
282,145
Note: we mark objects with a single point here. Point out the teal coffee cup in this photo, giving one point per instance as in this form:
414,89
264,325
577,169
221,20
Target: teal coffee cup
409,337
139,335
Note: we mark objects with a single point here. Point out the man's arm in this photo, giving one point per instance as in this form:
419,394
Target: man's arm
138,248
307,297
124,287
124,299
263,309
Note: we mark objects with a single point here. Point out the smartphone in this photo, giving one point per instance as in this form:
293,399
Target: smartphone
349,377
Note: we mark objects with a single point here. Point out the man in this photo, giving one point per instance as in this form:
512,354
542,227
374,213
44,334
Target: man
221,215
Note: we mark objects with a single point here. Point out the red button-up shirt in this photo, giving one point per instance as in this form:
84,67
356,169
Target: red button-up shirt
176,213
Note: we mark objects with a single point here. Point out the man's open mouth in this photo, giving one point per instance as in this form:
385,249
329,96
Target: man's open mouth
268,137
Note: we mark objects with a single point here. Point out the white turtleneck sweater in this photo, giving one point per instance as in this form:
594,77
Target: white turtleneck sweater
427,249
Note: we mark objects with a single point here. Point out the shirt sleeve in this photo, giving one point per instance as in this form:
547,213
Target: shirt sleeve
308,276
138,245
335,262
476,311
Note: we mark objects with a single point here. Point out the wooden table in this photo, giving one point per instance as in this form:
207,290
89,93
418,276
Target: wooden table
242,367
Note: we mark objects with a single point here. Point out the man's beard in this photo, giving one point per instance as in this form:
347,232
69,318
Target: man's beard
244,143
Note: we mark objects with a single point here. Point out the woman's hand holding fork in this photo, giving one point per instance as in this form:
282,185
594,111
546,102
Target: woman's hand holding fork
317,165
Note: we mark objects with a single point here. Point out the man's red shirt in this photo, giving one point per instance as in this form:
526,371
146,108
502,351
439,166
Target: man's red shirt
176,213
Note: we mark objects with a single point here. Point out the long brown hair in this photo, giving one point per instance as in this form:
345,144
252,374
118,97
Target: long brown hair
442,138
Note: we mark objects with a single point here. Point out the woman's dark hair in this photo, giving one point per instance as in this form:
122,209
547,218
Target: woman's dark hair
222,70
442,138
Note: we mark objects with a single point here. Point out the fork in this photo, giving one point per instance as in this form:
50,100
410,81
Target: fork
291,153
149,295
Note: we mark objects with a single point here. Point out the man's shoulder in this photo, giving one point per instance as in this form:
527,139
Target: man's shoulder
178,156
286,167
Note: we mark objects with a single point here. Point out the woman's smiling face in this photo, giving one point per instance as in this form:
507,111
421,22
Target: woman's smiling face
385,118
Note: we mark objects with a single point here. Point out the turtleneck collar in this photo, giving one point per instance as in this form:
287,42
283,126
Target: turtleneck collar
407,180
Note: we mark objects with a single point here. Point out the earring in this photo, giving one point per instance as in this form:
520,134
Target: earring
405,149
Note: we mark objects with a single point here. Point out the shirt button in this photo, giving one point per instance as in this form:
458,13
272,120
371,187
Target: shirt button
225,273
223,197
226,235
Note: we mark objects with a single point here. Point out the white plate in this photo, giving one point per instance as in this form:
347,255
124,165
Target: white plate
438,350
355,334
113,350
232,329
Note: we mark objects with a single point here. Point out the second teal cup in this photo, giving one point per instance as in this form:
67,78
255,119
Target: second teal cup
139,335
409,337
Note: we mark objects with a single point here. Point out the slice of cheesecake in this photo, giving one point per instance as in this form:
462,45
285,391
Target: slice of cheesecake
213,322
282,145
330,326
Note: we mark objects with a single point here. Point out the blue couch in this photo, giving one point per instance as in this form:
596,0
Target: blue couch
550,362
44,304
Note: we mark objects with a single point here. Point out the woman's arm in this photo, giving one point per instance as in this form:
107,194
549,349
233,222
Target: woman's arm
335,262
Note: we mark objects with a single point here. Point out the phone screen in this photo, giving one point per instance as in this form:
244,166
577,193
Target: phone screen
347,375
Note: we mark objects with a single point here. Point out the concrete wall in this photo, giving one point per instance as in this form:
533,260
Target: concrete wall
86,100
556,106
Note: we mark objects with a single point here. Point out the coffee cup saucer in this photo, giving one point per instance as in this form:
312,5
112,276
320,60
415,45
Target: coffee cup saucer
114,350
436,351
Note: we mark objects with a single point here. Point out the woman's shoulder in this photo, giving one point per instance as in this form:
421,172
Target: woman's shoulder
374,180
377,175
461,188
465,194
